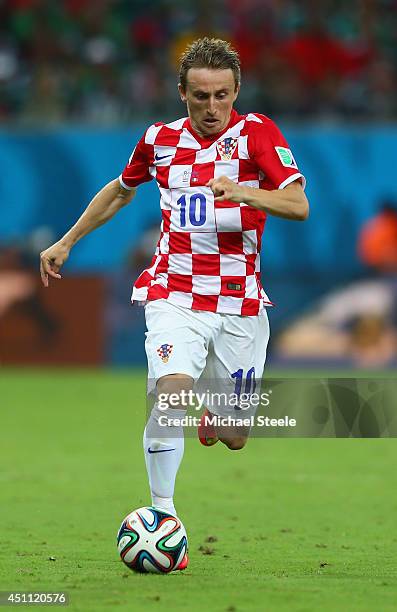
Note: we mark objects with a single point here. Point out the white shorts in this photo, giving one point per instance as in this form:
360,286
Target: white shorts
221,352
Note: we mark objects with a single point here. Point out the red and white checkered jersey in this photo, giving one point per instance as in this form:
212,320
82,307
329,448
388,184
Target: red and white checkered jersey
208,254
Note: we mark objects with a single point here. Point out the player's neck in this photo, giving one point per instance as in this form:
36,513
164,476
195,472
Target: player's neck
201,137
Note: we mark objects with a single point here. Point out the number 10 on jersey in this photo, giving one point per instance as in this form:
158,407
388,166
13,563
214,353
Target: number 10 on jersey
193,210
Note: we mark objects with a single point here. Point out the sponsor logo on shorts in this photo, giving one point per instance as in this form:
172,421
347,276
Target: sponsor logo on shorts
164,351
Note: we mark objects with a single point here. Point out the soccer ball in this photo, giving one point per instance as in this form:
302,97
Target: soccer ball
150,540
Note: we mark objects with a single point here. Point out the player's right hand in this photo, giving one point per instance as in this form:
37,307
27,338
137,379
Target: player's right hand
51,260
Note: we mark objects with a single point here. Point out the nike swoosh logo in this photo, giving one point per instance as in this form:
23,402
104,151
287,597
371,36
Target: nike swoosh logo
158,157
164,450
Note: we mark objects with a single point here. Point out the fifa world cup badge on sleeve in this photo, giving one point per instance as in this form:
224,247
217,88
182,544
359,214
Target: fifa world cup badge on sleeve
226,148
286,157
164,352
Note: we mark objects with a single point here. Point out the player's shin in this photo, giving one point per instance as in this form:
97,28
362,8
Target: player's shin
163,443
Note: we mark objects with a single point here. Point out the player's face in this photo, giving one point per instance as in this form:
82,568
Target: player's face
209,96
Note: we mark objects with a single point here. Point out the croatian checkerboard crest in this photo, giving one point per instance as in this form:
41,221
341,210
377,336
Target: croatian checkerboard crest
226,148
164,351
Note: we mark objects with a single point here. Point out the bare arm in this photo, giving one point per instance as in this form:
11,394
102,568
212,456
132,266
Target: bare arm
101,208
289,203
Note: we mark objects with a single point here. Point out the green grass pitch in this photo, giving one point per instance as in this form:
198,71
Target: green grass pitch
300,524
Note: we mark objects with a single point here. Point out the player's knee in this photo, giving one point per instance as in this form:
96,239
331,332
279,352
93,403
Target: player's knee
172,385
236,443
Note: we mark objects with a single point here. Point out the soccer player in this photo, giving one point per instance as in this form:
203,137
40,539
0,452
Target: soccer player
219,174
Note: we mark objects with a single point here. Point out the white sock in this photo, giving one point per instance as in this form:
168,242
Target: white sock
163,447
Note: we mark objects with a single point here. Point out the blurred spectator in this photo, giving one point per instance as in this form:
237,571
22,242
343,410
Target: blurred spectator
112,60
377,244
125,324
355,325
358,323
19,288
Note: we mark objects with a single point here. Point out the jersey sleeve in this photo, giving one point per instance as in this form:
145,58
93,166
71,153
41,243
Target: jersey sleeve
137,168
271,152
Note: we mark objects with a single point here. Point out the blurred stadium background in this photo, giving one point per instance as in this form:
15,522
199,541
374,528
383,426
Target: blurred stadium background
79,83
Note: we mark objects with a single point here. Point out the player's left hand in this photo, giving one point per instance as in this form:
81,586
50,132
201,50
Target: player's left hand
225,189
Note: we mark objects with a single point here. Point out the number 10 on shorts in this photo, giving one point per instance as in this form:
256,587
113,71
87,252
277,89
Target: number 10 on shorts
249,378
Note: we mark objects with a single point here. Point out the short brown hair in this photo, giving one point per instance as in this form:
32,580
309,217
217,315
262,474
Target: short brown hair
209,53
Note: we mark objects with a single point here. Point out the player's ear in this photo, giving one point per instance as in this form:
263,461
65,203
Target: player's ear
182,92
236,92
